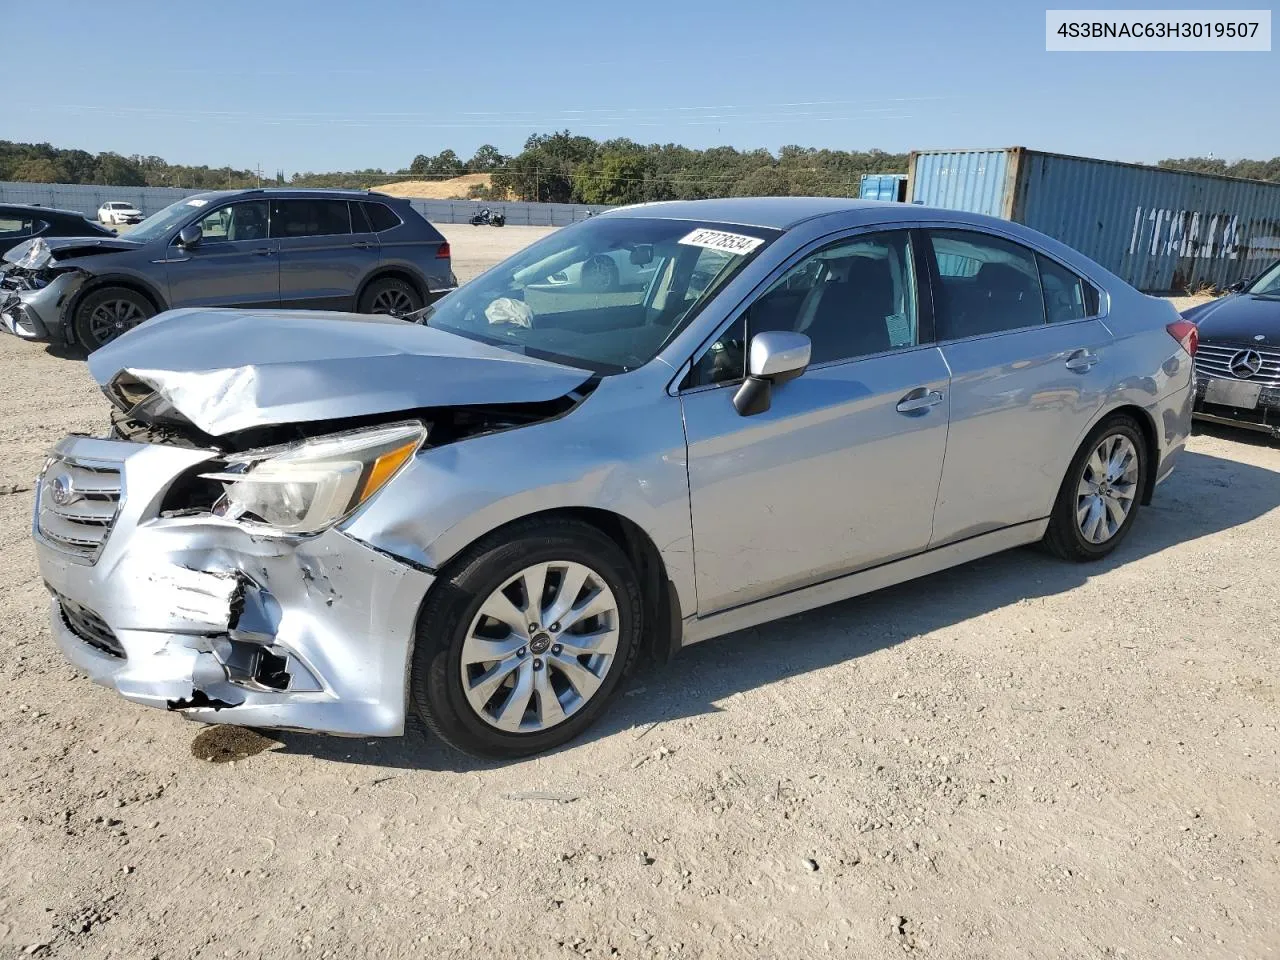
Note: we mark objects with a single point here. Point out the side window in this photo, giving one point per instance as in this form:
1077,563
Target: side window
988,284
236,221
852,298
359,222
309,218
381,216
14,226
1064,297
724,361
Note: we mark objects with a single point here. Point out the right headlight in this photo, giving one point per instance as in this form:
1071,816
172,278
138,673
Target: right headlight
307,487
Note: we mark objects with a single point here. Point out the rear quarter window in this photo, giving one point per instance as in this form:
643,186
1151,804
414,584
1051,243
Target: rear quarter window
381,216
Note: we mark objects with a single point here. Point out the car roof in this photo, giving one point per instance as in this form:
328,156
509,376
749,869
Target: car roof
36,208
778,213
783,213
296,192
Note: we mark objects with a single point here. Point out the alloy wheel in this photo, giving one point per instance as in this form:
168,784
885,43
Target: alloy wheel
392,301
540,647
112,318
1107,489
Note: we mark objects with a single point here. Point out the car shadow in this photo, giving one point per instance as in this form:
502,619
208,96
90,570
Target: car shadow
1206,495
63,351
1253,438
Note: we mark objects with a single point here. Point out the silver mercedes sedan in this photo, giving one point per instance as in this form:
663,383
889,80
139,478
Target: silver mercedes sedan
323,521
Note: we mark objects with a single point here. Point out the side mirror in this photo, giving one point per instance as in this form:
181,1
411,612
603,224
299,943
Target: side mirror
190,236
1239,285
773,358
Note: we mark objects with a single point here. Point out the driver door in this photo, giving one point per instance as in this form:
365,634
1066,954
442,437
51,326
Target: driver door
235,264
842,471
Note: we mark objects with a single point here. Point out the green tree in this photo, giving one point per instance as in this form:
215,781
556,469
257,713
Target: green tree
39,170
763,182
485,160
117,171
615,178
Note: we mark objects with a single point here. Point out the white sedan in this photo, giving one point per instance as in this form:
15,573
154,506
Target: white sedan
119,211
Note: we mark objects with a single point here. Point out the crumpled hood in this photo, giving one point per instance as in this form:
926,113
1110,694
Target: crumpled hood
36,253
231,370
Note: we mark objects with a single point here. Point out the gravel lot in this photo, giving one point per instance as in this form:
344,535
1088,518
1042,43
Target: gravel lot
1018,758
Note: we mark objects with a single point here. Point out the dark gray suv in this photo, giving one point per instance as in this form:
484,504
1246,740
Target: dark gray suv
304,249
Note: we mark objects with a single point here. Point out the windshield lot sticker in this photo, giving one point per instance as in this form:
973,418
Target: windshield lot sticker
719,240
196,203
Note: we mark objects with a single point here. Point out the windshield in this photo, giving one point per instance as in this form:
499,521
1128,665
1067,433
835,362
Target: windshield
1267,285
605,294
159,223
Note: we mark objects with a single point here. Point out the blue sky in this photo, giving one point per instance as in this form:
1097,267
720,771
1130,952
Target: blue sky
327,85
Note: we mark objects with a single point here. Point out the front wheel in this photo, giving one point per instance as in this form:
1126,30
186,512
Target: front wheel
520,648
1100,495
105,314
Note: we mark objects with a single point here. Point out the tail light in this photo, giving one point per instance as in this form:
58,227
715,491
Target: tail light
442,251
1187,335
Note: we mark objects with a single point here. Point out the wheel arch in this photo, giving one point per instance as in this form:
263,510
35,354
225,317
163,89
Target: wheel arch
662,629
394,272
1151,441
97,282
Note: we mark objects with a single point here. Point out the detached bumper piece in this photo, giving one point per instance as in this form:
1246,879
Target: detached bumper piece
193,614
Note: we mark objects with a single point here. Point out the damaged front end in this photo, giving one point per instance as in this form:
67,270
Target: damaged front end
34,289
179,608
198,558
42,277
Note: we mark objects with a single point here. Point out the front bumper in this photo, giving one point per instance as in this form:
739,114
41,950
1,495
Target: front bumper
1264,418
38,314
193,614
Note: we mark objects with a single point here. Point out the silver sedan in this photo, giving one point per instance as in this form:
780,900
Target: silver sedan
324,521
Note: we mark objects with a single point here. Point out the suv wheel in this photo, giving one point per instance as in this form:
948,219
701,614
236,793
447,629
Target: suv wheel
1101,492
520,648
390,295
105,314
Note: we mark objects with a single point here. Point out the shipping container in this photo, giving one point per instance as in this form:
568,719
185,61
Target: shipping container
883,186
1161,230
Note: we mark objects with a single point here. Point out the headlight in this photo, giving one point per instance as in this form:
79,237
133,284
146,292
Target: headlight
307,487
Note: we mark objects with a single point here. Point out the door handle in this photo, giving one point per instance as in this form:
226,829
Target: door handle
264,252
919,400
1081,361
363,245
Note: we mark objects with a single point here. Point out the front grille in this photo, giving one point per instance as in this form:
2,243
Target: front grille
76,505
1214,360
89,627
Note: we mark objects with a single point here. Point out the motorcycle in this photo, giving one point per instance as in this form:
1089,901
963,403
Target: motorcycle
486,217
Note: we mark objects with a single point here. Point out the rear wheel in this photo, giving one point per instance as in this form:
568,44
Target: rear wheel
1100,495
390,295
105,314
520,649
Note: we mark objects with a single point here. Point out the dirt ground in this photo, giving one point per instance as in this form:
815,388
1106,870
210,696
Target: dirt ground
1019,758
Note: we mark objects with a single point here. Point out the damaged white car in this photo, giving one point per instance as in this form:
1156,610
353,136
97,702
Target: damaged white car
324,521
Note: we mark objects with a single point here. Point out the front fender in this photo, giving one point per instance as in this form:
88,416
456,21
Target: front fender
622,450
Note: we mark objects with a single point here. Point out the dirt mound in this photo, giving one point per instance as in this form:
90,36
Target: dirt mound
455,189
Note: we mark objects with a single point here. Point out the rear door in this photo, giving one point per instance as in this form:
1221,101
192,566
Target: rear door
322,260
1029,361
234,265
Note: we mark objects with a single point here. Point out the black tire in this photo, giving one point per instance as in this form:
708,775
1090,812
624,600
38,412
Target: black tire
1064,537
436,685
390,295
106,313
600,274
